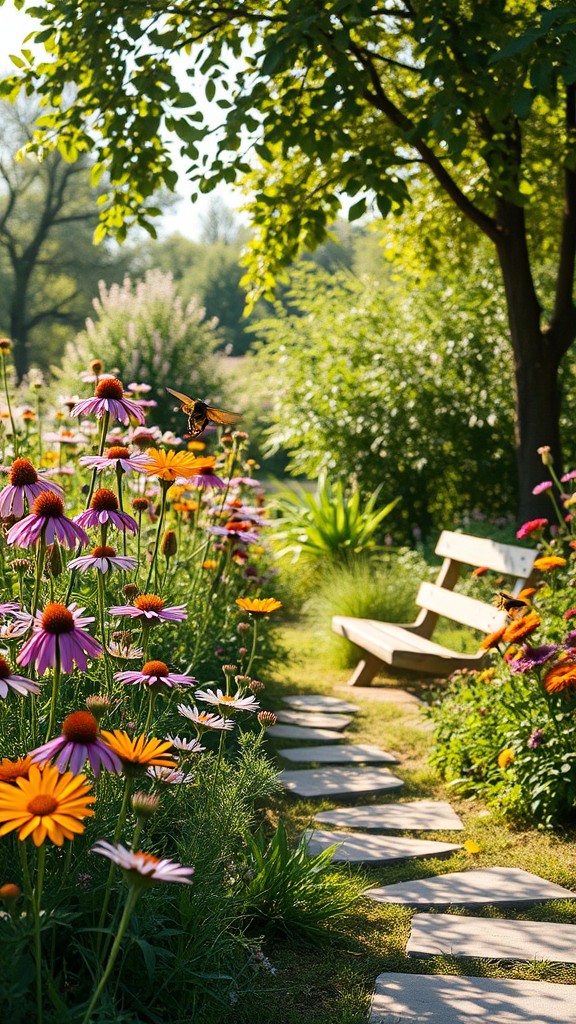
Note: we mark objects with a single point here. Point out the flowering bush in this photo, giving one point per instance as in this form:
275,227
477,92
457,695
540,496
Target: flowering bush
133,569
508,733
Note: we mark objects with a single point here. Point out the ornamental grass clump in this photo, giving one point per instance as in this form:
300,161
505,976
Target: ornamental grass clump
508,733
105,655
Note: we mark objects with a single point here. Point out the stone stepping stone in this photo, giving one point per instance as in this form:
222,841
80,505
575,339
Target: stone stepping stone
342,782
363,849
382,694
506,887
447,999
490,939
300,732
319,702
417,815
348,753
313,720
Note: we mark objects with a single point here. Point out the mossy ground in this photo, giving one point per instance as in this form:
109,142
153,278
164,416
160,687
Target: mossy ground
331,983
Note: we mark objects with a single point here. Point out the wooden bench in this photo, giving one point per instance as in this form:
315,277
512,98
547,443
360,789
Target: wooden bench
411,646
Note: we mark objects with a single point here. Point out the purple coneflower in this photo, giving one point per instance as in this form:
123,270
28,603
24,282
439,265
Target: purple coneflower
228,703
58,633
10,683
535,739
145,437
64,436
151,608
24,483
117,455
205,476
235,531
244,481
204,720
103,559
47,520
109,399
532,657
78,743
155,673
143,866
171,776
105,511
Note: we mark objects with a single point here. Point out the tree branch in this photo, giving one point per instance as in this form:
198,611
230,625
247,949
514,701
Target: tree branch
56,312
563,320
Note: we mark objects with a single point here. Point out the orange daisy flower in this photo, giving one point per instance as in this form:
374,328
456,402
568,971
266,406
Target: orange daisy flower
521,628
139,750
549,562
480,571
560,677
171,465
258,605
46,804
505,757
493,639
12,770
526,594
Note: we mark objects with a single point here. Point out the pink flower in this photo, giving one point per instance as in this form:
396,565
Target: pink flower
57,633
47,520
150,608
546,485
569,614
78,743
116,456
155,673
235,531
568,476
24,484
143,867
10,683
103,559
104,510
171,776
109,399
532,526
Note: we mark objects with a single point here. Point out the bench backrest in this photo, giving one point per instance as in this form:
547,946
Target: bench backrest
457,549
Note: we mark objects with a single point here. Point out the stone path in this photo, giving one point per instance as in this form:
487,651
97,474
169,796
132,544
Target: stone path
412,998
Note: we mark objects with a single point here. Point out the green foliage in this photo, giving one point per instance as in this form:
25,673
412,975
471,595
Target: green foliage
328,523
144,331
399,383
290,891
382,588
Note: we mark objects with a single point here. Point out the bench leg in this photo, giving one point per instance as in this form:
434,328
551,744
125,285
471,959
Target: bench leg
365,671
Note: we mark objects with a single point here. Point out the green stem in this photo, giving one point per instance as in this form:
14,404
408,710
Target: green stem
117,834
151,703
102,617
119,475
218,763
127,914
37,929
55,691
253,651
40,559
9,404
165,484
103,431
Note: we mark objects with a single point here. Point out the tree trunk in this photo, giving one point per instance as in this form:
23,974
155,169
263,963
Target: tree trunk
537,392
18,327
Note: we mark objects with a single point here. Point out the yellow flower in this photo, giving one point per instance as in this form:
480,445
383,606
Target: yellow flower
549,562
139,750
196,446
505,757
210,563
258,605
171,465
46,804
472,847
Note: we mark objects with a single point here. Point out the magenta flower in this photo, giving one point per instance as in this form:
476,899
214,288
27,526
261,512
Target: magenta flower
532,657
568,476
20,624
109,398
24,484
104,510
150,608
9,683
103,559
546,485
78,743
246,481
234,531
57,633
535,739
155,673
117,456
47,520
143,866
532,526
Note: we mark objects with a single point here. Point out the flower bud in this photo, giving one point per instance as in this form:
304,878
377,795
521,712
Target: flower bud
243,627
267,719
5,344
54,560
546,455
256,686
96,367
9,892
169,544
98,704
144,805
139,504
130,591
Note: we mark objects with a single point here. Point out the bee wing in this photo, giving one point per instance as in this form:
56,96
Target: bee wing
185,399
221,416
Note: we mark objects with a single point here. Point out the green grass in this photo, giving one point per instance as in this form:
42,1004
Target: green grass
333,984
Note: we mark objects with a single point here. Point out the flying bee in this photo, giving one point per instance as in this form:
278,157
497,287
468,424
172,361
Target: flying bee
199,413
515,607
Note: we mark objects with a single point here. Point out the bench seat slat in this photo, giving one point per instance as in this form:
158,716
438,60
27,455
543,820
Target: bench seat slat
398,647
459,608
510,559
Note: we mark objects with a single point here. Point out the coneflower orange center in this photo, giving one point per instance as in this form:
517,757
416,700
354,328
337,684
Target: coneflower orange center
41,804
5,669
103,551
109,388
48,505
235,525
57,618
155,668
80,727
22,473
140,504
149,603
117,452
104,500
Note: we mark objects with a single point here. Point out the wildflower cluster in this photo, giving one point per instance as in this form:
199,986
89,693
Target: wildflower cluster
131,564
